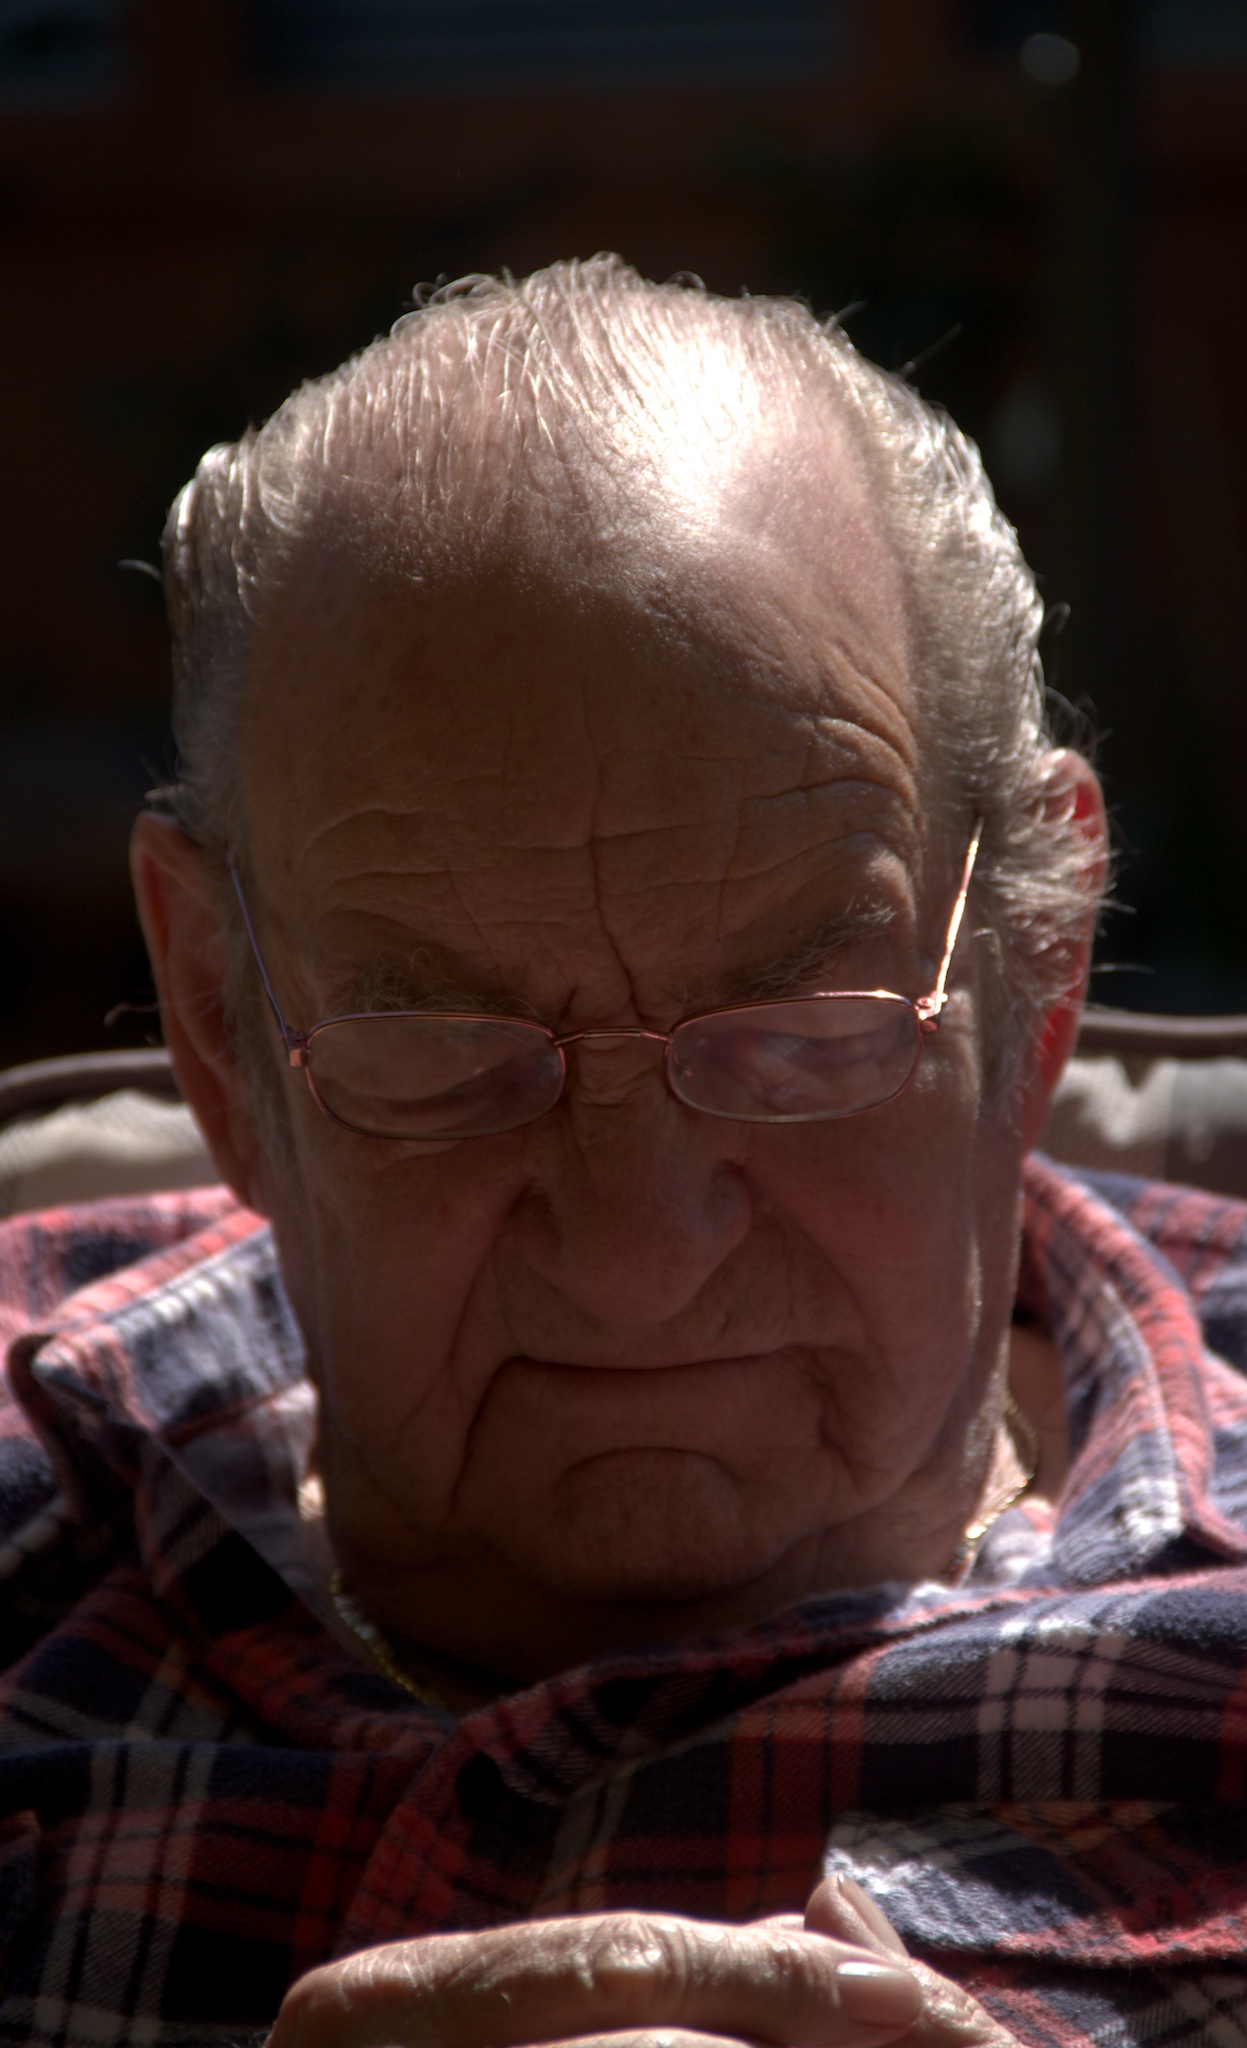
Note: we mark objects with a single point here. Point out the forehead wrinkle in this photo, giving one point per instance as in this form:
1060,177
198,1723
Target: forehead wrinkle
423,948
400,827
793,807
768,848
753,837
890,722
524,768
858,744
515,876
640,898
553,858
816,779
595,845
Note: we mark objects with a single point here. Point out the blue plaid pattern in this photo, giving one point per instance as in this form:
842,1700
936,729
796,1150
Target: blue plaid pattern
1041,1774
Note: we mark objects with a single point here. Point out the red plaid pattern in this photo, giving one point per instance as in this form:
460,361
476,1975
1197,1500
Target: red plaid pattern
1040,1774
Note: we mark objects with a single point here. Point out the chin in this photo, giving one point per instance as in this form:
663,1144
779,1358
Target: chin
635,1531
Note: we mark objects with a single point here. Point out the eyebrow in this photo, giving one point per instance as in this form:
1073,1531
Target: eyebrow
803,964
420,981
417,981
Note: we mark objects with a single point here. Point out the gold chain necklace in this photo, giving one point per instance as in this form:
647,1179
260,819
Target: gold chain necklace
1026,1445
382,1651
378,1644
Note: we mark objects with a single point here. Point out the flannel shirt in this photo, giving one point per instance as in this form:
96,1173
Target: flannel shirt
1038,1773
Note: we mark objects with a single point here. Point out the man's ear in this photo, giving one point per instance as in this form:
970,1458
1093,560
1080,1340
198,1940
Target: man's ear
1076,790
179,905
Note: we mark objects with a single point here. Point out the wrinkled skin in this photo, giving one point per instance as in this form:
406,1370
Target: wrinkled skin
841,1979
630,1371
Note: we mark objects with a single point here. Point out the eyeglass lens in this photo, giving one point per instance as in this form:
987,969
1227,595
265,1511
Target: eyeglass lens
435,1077
799,1060
427,1077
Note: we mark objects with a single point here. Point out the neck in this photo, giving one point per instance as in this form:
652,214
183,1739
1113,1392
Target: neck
473,1629
475,1624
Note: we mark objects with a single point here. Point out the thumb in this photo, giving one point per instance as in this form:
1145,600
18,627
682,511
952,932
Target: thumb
840,1908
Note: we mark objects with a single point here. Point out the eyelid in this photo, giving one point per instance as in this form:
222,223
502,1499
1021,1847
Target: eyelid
816,974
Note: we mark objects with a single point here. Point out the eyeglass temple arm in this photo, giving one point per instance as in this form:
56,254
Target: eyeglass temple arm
930,1006
294,1041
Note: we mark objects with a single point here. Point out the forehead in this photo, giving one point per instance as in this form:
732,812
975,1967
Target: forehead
695,724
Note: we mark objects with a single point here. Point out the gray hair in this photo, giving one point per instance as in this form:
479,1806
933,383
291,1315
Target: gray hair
580,356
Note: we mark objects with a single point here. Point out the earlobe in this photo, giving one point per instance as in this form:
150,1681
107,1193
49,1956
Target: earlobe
179,906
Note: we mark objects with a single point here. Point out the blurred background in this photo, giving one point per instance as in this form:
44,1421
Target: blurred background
1040,204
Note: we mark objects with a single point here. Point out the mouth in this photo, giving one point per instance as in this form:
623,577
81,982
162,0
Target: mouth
693,1362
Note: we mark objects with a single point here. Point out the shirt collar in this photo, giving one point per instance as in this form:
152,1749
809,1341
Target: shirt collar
195,1350
1136,1381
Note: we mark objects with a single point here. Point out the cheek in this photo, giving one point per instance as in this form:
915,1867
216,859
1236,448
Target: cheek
913,1210
883,1193
384,1254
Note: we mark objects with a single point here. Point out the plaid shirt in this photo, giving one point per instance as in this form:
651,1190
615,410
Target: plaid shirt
1040,1774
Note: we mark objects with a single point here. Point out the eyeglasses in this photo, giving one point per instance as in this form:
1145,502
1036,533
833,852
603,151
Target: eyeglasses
424,1074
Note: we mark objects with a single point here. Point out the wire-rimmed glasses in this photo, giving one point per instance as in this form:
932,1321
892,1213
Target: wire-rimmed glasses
444,1075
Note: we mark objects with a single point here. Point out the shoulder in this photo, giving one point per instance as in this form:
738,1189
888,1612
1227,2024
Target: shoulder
1200,1238
48,1260
52,1254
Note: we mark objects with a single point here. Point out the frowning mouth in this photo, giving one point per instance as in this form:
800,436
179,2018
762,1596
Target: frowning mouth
780,1355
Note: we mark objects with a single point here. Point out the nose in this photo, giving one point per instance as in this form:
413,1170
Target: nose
635,1201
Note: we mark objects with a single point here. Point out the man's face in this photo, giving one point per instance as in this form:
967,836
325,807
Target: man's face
630,1367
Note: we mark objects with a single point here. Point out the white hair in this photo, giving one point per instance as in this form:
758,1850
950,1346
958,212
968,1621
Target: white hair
494,389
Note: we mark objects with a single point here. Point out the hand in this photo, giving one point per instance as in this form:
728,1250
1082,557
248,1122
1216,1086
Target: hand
626,1977
840,1980
950,2018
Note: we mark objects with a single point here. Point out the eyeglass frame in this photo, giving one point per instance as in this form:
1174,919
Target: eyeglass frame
927,1009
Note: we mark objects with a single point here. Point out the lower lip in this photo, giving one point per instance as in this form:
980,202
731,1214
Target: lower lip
739,1360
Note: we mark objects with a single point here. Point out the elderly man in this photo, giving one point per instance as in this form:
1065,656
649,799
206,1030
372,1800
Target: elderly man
637,1512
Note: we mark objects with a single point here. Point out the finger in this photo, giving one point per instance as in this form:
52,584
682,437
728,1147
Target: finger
655,2037
842,1909
560,1980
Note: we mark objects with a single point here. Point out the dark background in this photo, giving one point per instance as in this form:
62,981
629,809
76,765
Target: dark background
202,201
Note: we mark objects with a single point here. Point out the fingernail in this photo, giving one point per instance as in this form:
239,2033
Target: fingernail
878,1993
871,1914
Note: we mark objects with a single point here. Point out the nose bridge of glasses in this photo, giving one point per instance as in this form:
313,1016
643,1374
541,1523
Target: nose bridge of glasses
624,1067
608,1031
